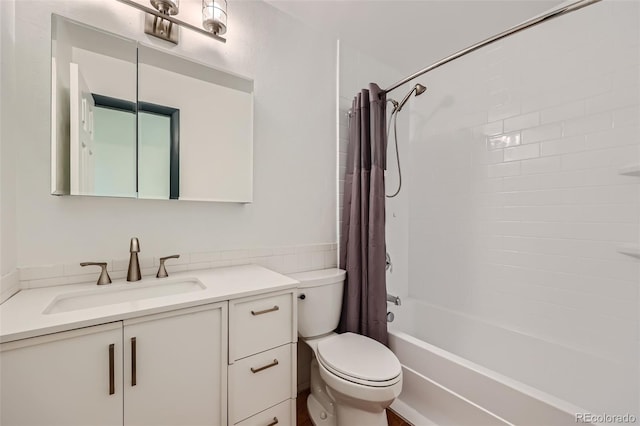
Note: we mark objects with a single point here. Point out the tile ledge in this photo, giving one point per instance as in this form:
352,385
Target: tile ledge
283,259
9,285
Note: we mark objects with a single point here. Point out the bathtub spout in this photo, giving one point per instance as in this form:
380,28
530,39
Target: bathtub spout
394,299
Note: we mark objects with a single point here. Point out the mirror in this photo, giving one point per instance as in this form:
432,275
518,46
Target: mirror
128,120
216,123
93,117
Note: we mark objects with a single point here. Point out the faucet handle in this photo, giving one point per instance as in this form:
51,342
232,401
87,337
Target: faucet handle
162,271
104,277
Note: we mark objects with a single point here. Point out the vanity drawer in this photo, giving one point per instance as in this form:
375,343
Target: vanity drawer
260,323
282,414
261,381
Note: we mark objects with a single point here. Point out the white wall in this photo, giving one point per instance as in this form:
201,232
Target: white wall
518,209
294,152
8,155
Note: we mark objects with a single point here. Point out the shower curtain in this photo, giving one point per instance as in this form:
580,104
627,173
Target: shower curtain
362,239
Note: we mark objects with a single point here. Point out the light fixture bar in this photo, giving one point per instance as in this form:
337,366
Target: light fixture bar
172,19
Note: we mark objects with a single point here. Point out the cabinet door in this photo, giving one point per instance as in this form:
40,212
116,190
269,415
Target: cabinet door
175,368
69,378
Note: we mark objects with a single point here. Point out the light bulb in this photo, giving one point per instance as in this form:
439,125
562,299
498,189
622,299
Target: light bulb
214,16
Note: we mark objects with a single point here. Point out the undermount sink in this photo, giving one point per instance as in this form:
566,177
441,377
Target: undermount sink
119,293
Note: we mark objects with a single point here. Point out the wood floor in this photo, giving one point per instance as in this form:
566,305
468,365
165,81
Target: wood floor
304,420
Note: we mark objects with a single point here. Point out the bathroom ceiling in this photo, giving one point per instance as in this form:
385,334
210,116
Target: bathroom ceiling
409,35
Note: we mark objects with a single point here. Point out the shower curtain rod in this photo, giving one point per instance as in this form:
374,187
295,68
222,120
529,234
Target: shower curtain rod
527,24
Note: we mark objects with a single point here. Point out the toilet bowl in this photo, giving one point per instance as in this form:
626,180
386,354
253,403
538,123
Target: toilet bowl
353,378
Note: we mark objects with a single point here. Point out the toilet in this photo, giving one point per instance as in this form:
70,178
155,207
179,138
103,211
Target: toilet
353,378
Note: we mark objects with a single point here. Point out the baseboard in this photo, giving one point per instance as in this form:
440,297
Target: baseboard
303,386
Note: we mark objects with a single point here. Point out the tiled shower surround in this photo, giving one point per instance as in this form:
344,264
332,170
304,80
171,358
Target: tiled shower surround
524,207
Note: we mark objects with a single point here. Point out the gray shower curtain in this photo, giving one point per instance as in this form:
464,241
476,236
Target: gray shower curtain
362,239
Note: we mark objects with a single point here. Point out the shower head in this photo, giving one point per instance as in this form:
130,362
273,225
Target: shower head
418,88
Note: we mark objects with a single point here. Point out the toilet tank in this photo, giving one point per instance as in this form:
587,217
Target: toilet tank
319,301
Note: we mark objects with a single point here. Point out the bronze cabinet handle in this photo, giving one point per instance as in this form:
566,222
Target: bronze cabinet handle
274,422
266,311
112,376
259,369
133,361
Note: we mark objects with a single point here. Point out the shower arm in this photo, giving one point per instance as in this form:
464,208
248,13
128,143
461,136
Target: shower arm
398,108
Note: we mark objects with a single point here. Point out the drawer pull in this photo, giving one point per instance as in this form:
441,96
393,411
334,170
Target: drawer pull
274,422
112,376
266,311
259,369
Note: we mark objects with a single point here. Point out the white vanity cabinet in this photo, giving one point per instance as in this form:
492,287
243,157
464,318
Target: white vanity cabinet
223,354
165,369
175,367
262,356
69,378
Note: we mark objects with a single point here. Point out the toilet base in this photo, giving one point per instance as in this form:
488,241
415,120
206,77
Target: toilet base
354,417
318,414
353,412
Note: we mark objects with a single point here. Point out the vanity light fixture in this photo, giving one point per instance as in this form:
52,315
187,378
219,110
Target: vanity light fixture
161,22
159,27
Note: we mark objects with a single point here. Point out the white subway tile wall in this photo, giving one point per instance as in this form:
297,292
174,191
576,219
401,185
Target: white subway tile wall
519,215
286,260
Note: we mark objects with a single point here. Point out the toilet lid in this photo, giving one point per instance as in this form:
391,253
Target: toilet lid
359,357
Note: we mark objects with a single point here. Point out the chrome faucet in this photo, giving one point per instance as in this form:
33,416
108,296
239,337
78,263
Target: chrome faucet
133,274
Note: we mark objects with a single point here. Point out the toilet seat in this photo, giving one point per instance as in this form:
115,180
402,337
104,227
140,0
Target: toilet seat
359,359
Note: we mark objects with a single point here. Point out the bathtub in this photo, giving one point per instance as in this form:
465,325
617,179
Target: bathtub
441,388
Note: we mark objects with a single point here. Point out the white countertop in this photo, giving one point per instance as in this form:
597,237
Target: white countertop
22,316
